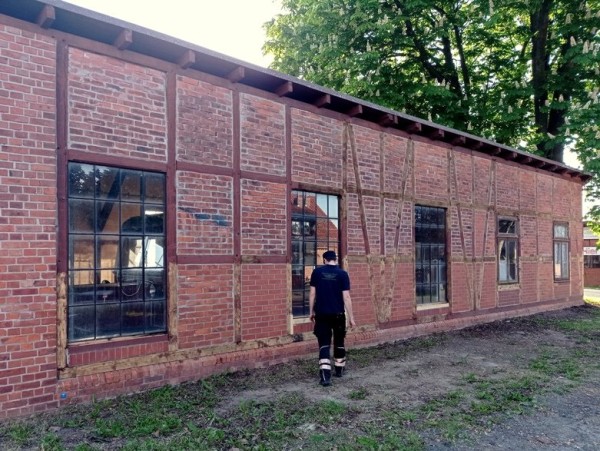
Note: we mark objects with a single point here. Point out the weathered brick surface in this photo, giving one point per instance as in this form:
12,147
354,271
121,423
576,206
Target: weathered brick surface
262,135
507,180
367,145
396,171
431,172
356,239
204,123
264,222
27,222
316,149
264,306
205,305
116,107
204,214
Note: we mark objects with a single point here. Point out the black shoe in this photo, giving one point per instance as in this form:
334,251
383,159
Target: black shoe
325,378
339,371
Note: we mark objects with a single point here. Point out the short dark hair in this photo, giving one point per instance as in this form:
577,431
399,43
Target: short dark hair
329,256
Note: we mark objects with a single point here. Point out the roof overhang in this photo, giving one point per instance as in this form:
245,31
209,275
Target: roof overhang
68,18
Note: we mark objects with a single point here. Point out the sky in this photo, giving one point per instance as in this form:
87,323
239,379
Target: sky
231,27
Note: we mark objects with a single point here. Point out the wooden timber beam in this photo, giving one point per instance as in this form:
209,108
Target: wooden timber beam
187,59
355,110
46,17
124,40
322,101
284,89
236,75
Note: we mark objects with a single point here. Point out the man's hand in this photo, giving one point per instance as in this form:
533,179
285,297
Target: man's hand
312,317
352,322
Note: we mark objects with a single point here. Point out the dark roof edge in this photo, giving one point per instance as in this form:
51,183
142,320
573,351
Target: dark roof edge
73,19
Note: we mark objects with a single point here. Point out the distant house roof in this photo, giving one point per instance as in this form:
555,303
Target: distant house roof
589,235
68,18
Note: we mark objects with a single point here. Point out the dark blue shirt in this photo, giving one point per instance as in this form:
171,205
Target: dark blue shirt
329,281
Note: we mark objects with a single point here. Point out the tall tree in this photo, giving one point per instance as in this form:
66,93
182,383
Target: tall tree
525,73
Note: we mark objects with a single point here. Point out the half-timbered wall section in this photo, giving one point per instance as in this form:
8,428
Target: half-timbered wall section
162,206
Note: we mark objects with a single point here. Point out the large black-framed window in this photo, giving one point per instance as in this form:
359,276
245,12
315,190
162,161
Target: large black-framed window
508,249
116,257
315,229
430,254
561,251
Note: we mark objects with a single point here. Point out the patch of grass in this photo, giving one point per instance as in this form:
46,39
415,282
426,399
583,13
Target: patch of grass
19,433
359,394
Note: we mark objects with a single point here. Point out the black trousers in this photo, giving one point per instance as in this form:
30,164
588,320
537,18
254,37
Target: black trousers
326,328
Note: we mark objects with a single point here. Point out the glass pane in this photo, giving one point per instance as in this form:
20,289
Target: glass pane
154,188
107,291
323,229
156,318
322,209
296,200
108,247
154,252
334,209
155,284
298,277
512,260
81,322
154,220
296,228
133,318
82,181
309,229
81,216
131,185
297,253
81,287
132,285
310,253
107,216
107,182
310,204
131,218
561,231
81,252
131,252
507,226
108,320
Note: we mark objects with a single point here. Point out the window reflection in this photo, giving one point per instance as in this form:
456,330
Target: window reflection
315,229
116,252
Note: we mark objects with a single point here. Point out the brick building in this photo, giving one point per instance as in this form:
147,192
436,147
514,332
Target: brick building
161,207
591,258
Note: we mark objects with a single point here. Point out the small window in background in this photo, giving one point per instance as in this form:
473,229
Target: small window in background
116,252
508,249
561,251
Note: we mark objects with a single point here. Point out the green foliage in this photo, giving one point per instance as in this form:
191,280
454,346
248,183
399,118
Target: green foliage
522,73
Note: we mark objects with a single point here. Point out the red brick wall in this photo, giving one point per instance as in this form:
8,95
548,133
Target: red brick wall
205,305
316,149
264,301
116,107
228,220
204,123
204,214
27,222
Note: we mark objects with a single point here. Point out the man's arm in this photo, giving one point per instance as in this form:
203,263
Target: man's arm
311,303
348,307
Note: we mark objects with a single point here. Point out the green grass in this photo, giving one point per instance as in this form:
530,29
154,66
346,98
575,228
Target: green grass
191,416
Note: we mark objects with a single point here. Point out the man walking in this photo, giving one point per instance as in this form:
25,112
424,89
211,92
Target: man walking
329,301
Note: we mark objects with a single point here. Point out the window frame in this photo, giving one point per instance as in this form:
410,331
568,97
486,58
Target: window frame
116,259
306,243
440,269
562,242
505,238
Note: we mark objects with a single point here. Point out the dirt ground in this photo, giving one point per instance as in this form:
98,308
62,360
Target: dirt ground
566,419
406,375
